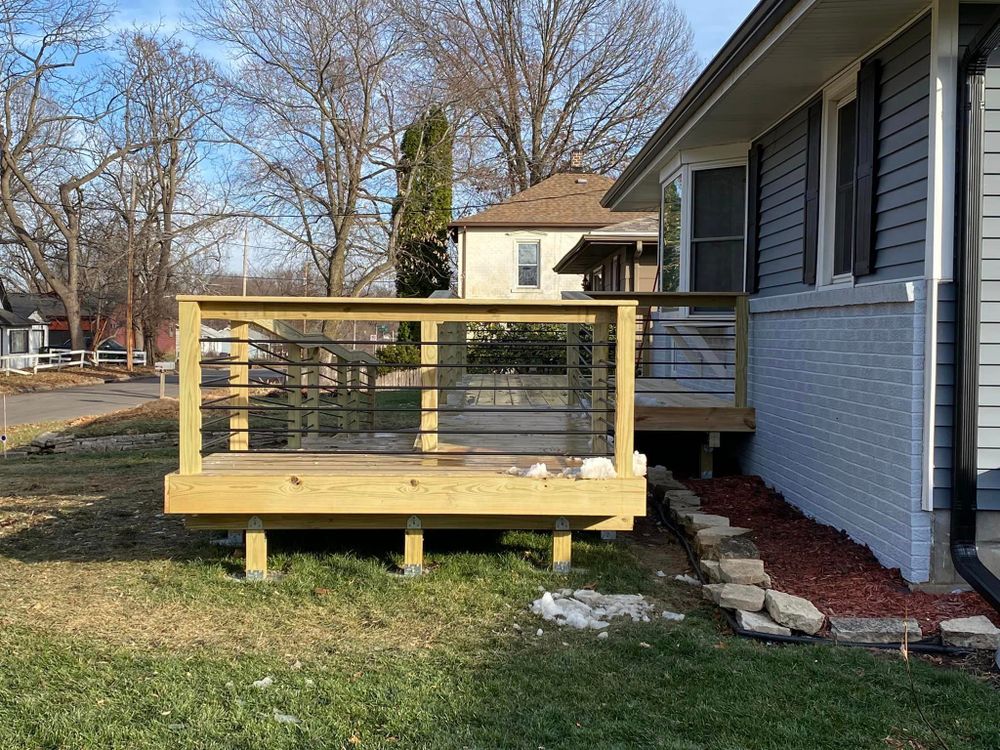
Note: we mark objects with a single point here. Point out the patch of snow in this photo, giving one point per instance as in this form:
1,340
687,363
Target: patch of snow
264,683
590,610
539,632
535,471
639,464
660,574
603,634
672,616
689,580
597,468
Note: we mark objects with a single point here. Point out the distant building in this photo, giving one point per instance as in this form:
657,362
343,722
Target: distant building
510,250
23,331
617,258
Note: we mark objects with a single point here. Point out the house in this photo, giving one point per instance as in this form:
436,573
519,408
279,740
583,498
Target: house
49,309
508,251
22,331
620,257
840,161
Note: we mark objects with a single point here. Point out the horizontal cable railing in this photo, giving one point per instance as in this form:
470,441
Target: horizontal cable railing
475,380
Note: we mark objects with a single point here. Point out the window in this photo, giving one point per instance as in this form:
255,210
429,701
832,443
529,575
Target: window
670,236
19,342
717,228
843,230
527,264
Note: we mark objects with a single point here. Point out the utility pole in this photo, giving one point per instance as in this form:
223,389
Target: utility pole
246,262
130,284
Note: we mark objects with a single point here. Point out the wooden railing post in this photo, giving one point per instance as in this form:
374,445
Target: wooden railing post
313,395
239,392
624,391
189,372
371,379
742,347
428,385
572,364
599,384
294,384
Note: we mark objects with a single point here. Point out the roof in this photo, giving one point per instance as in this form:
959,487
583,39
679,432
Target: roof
566,199
49,306
13,320
593,247
780,55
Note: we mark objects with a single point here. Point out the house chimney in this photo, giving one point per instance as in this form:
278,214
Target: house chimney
576,159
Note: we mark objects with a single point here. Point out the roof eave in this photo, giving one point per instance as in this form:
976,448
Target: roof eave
761,21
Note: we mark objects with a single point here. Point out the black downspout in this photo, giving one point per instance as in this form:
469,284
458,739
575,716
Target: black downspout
969,211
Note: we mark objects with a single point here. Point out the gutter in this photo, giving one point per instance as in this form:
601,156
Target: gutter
969,205
762,21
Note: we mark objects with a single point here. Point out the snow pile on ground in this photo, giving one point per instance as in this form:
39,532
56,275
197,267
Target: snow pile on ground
590,468
585,609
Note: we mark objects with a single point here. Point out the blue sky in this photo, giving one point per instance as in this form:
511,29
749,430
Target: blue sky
713,20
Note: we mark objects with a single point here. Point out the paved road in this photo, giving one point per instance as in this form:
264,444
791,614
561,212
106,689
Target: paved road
84,400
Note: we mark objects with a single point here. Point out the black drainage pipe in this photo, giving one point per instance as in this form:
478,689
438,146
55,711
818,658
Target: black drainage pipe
917,647
968,292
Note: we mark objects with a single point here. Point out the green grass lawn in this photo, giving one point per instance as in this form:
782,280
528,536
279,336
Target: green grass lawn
120,629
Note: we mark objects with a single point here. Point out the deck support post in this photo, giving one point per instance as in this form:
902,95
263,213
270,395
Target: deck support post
413,549
313,395
239,393
256,550
707,454
625,391
562,546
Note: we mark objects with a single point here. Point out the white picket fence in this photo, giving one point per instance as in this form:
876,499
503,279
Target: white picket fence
57,359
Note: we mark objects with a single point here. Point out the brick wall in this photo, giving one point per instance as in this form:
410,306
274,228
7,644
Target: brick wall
836,378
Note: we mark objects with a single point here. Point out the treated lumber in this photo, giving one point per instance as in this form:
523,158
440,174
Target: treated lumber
398,521
189,374
625,387
239,373
432,493
694,419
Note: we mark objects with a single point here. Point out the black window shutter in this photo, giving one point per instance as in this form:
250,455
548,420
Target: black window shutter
753,209
814,131
864,168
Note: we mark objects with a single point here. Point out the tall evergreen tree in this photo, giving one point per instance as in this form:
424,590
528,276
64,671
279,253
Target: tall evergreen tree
422,264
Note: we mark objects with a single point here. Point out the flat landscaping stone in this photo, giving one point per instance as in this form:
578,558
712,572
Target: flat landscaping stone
710,569
749,572
794,612
970,632
738,547
874,629
758,622
694,521
707,540
734,596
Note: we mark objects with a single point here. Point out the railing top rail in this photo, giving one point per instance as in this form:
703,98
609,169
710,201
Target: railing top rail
230,301
664,299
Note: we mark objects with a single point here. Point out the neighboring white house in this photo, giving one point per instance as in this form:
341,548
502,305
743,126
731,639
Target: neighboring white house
510,250
21,333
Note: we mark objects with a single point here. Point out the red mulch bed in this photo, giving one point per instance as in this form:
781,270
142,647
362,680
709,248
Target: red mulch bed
824,565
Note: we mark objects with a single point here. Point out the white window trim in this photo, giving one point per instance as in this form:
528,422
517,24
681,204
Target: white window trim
537,242
686,173
841,91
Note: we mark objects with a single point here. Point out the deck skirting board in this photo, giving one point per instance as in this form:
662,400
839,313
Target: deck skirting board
279,522
421,494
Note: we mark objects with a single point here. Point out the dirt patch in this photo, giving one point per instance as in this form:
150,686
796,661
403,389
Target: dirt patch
823,564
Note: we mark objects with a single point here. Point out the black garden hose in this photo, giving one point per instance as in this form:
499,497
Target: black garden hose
925,646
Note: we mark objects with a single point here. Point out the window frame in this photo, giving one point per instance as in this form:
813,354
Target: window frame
27,340
518,265
686,173
843,90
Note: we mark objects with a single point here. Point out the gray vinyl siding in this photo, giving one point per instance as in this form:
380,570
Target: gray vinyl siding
989,332
944,395
901,187
781,212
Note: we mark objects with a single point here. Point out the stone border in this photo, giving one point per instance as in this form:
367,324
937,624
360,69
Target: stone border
731,562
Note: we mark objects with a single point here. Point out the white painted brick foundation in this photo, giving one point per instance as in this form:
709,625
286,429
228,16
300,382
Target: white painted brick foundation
837,381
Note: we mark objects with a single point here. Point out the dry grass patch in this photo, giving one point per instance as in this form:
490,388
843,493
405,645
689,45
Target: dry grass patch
53,380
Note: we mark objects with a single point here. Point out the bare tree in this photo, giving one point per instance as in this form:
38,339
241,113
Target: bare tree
166,213
48,157
317,109
544,77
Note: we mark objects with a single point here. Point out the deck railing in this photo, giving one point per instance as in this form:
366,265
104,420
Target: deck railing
496,378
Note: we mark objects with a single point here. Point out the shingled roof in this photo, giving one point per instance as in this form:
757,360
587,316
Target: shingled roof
567,199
